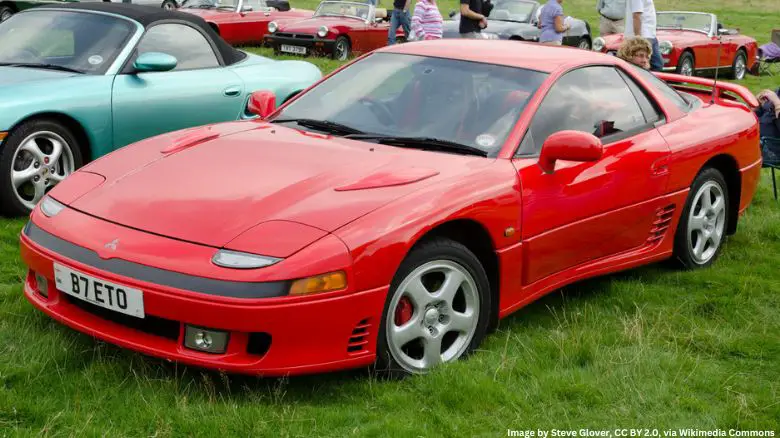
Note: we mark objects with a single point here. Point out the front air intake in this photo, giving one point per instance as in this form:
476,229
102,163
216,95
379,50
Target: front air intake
359,338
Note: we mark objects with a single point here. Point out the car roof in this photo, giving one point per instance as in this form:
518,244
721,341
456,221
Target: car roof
531,56
148,15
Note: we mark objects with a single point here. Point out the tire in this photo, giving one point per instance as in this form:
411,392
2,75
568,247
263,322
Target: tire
584,43
739,66
432,317
169,5
5,13
686,65
42,135
703,221
341,49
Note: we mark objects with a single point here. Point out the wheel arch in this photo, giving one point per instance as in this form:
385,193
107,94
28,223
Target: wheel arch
728,167
474,236
84,143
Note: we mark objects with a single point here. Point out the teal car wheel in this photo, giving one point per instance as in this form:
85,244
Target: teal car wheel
35,157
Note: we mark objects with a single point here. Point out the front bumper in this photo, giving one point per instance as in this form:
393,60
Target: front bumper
312,44
267,336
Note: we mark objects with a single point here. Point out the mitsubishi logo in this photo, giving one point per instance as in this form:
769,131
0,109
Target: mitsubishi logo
112,244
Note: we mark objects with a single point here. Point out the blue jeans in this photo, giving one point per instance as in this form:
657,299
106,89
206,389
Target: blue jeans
399,18
656,61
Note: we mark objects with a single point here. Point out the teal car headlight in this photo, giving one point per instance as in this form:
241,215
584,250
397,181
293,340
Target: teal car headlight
272,27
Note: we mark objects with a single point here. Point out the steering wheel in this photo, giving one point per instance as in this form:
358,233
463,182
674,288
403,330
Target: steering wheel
380,110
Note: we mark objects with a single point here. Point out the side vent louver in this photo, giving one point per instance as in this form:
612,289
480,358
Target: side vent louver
661,224
359,339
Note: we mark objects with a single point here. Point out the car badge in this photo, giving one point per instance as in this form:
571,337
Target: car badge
112,244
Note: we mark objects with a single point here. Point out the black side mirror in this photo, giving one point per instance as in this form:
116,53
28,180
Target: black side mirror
452,14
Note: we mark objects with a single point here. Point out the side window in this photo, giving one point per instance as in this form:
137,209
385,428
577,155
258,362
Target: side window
649,109
668,92
186,44
591,99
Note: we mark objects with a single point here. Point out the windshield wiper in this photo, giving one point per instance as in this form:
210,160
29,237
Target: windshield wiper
322,125
46,66
428,143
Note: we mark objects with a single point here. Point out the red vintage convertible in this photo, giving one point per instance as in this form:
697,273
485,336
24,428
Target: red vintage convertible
395,211
695,42
338,29
243,21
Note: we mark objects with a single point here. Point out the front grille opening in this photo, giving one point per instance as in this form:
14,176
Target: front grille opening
152,325
259,343
359,338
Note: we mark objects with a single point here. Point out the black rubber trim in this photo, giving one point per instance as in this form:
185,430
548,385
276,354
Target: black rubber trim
209,286
276,41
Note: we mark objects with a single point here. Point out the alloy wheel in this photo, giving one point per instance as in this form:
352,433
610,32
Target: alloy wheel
706,222
433,316
42,160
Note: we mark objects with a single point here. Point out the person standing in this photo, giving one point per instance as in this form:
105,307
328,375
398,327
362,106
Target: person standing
471,19
613,16
552,23
400,17
637,51
427,21
641,21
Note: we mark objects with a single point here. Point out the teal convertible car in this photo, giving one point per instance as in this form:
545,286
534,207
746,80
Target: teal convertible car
80,80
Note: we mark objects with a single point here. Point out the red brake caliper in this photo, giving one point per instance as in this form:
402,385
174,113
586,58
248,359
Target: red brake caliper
403,311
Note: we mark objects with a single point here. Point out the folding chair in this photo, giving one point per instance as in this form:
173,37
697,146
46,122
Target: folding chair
770,153
769,56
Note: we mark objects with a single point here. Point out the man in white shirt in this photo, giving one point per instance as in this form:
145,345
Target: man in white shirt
641,21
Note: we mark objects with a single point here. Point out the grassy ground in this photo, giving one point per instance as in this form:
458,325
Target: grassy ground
649,348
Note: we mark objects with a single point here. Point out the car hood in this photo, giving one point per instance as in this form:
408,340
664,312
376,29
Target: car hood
214,190
18,75
310,25
676,37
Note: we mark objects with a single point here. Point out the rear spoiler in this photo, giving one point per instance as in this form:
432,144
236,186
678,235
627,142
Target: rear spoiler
720,88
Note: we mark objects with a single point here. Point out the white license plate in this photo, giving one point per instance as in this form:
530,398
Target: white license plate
99,292
293,49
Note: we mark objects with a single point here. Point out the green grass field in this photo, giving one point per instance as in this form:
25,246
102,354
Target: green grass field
648,348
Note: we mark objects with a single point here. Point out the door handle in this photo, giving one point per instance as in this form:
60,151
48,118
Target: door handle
232,91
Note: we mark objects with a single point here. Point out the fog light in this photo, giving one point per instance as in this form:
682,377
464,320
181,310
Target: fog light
201,339
42,285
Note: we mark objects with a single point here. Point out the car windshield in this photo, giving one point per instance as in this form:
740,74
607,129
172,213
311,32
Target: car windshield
214,4
512,10
386,94
685,20
343,9
71,41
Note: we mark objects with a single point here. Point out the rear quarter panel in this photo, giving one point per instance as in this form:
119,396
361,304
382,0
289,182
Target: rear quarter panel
282,77
712,130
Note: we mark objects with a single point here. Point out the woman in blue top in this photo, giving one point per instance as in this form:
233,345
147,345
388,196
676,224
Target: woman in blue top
551,23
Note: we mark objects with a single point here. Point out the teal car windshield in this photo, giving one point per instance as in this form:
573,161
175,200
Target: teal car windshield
76,41
472,104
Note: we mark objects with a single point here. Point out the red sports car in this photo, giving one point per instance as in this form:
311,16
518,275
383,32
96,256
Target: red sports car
393,212
243,21
695,42
338,29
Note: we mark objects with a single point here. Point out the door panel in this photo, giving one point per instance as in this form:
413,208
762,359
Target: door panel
148,104
584,211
